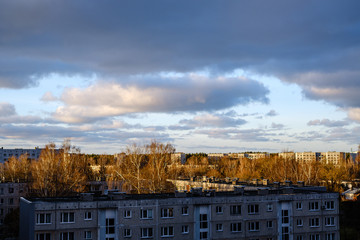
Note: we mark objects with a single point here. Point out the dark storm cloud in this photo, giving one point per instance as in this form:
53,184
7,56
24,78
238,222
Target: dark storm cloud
289,39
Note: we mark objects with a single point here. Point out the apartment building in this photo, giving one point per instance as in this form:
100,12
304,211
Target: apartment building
332,157
255,156
307,156
237,155
294,213
217,156
10,194
249,155
178,157
5,154
287,155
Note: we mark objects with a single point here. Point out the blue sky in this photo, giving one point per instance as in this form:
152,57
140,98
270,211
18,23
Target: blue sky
206,76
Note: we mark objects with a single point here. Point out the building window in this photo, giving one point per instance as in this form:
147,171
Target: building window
67,236
11,201
285,233
219,209
314,236
300,237
127,214
235,227
235,209
219,227
43,218
285,216
330,221
203,221
298,205
146,214
67,217
314,222
110,225
299,222
1,200
167,231
269,207
254,226
185,229
269,224
127,232
88,234
203,235
185,211
313,206
253,209
330,236
167,212
329,205
43,236
146,232
1,211
1,191
11,190
88,216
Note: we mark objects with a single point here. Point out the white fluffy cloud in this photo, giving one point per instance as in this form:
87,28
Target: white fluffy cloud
192,93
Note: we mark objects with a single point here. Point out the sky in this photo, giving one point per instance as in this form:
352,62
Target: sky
206,76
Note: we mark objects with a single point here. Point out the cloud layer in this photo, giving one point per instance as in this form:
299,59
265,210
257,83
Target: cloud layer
314,44
193,93
172,57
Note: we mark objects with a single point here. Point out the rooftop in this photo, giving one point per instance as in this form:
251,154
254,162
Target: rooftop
243,190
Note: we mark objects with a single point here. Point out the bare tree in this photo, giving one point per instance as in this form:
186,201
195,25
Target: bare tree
129,169
159,157
58,172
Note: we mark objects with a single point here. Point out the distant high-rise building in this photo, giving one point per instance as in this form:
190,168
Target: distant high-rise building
33,153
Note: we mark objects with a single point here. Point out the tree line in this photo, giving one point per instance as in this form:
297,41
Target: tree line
65,171
145,168
275,169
